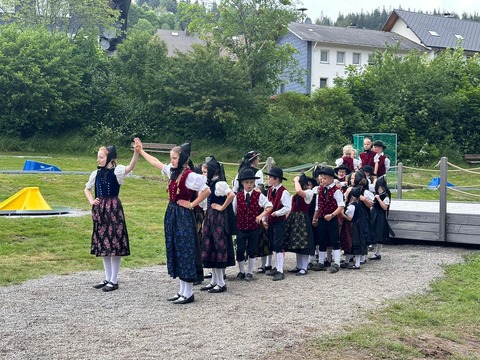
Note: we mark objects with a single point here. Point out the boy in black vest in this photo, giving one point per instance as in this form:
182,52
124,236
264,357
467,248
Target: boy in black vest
277,219
329,204
250,206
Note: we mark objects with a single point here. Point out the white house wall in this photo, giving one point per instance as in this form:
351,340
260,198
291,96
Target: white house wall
402,29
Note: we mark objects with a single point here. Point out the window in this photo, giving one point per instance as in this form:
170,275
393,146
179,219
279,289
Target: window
459,37
356,58
433,33
324,56
323,82
340,57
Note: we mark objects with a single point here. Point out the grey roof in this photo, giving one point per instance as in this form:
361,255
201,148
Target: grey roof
351,36
445,27
178,40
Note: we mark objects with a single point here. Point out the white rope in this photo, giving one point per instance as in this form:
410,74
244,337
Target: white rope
461,169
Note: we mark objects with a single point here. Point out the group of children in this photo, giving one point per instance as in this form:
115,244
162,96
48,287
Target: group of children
343,208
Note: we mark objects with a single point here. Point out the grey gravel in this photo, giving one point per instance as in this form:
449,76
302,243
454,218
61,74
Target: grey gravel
63,317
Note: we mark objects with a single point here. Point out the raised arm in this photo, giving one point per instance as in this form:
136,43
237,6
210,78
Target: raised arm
129,168
152,160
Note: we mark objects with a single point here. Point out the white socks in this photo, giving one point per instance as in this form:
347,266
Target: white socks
378,250
251,265
111,264
268,260
188,289
336,257
241,266
279,262
219,277
302,261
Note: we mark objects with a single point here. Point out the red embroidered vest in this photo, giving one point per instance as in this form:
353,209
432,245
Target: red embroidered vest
299,204
367,158
348,162
326,202
277,204
246,214
381,166
177,190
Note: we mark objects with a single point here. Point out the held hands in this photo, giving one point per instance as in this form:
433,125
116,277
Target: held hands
138,145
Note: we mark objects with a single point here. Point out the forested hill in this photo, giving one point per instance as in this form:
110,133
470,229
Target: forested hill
375,19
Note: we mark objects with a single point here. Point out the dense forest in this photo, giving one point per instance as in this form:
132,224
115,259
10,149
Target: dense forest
55,84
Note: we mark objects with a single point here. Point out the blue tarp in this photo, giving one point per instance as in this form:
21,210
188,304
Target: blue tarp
31,165
436,182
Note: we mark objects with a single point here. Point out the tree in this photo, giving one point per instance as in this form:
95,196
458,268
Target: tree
41,76
248,30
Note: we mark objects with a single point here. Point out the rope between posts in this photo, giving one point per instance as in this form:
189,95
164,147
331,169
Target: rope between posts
461,169
463,192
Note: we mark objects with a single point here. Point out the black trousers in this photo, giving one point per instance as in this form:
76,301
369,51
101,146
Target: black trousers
329,234
276,235
247,240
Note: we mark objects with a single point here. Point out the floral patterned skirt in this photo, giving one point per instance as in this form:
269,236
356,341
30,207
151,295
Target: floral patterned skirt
182,244
299,234
110,236
217,244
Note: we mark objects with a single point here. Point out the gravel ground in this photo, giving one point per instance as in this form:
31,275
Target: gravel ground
63,317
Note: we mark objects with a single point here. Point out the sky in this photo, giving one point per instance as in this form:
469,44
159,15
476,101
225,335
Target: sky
331,8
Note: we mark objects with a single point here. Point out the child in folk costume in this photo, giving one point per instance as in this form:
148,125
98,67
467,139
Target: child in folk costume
250,206
381,161
181,242
107,214
347,158
330,203
250,160
366,157
383,231
352,236
218,227
279,196
298,231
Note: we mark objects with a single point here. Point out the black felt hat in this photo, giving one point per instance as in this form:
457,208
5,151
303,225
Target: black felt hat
369,169
276,172
379,143
327,170
342,167
251,155
247,174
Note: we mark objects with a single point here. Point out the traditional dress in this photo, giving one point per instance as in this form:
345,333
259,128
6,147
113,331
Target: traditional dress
182,245
217,246
382,229
110,236
298,231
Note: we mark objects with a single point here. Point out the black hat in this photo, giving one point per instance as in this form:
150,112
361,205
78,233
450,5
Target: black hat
342,167
369,169
276,172
213,167
187,147
379,143
312,180
356,192
303,180
327,170
247,174
251,155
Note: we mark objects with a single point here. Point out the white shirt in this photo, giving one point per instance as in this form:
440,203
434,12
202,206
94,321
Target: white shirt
262,201
308,196
119,173
194,181
286,201
350,211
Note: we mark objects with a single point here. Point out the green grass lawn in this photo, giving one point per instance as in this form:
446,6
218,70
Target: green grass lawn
37,246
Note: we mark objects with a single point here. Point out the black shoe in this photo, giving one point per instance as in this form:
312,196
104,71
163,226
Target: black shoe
301,272
173,298
249,277
334,268
261,270
271,272
278,276
318,267
375,257
208,275
327,263
100,285
218,289
241,276
183,300
268,267
294,270
110,287
197,283
208,287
